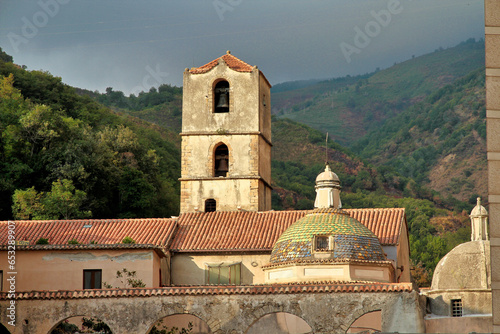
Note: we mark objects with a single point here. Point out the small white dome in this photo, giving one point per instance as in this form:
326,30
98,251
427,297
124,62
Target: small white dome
327,176
467,266
478,210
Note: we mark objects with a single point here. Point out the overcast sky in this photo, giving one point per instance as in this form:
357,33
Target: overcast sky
131,45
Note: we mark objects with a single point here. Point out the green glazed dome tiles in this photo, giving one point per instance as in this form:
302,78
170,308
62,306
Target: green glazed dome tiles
324,223
347,247
352,240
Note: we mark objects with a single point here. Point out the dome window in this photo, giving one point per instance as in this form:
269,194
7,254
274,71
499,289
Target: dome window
323,243
456,307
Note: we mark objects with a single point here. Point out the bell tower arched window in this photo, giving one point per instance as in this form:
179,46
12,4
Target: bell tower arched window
221,155
221,97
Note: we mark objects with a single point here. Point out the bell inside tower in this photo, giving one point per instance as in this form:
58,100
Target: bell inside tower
221,161
221,98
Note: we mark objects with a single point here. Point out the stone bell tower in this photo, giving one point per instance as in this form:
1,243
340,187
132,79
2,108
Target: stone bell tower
226,138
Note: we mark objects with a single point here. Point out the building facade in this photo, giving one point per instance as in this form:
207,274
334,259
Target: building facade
228,259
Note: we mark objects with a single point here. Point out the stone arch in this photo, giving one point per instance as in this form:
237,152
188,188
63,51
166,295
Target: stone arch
77,319
217,85
221,160
279,322
366,322
181,320
211,156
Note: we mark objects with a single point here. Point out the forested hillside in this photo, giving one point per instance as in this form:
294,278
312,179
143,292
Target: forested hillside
348,108
57,147
439,142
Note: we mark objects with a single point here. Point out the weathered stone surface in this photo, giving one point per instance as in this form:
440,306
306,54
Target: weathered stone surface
324,312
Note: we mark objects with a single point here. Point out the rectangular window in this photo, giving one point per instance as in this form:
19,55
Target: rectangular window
322,244
92,278
223,273
456,307
1,280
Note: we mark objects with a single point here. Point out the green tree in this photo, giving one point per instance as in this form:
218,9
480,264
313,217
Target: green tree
27,204
63,201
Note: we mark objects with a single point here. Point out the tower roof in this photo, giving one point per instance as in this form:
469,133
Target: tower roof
327,176
353,240
479,210
231,61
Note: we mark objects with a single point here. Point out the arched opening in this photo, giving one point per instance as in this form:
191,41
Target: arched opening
221,161
210,205
368,323
81,324
4,329
280,323
221,97
180,323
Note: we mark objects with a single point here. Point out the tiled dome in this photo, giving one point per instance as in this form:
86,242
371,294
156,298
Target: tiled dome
353,241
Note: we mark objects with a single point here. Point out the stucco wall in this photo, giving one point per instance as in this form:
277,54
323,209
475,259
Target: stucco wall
459,325
189,268
403,259
230,194
474,302
63,269
199,160
329,272
197,103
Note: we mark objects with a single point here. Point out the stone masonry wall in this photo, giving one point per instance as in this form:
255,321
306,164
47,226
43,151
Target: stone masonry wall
327,312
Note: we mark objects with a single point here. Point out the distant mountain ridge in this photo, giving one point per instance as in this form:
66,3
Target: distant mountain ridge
349,107
439,142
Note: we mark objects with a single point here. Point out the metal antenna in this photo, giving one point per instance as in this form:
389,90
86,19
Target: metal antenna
326,149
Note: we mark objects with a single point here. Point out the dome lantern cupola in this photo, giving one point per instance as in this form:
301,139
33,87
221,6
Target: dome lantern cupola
479,222
327,190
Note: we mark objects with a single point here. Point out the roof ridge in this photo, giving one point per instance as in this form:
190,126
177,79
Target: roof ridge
231,61
286,288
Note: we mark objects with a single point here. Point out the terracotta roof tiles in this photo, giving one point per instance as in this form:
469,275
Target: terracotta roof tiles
385,223
310,287
231,61
152,231
86,247
235,230
214,231
241,230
